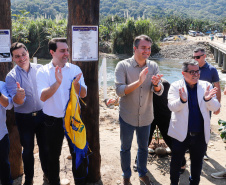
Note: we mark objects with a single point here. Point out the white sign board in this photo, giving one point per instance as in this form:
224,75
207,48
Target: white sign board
84,43
5,44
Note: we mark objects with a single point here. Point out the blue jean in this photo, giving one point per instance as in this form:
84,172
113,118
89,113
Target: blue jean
197,148
5,174
126,136
28,126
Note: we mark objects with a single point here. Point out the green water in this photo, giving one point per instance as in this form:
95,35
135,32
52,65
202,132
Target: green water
170,68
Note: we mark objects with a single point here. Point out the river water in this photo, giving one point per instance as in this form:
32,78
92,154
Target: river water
170,68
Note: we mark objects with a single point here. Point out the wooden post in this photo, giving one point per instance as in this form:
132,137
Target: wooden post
15,157
87,13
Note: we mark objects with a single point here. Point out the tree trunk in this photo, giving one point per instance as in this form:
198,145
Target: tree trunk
15,156
82,12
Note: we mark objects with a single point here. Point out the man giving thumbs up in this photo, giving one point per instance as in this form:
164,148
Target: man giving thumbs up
21,85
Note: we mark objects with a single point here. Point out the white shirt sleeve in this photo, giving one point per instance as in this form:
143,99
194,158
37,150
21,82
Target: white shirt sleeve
42,80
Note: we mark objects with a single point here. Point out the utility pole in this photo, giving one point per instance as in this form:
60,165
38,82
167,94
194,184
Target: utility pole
86,12
15,157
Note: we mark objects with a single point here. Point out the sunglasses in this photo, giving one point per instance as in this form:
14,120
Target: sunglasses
192,72
197,57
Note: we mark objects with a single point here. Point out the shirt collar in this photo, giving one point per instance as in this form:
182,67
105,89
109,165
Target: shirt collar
21,69
188,87
135,64
52,66
205,65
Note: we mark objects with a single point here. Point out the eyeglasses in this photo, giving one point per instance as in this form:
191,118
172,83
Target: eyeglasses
18,56
197,57
192,72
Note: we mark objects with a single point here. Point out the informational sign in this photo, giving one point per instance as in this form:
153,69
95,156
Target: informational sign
5,44
84,43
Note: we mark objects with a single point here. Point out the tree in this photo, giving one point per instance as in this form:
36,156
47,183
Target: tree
15,157
87,13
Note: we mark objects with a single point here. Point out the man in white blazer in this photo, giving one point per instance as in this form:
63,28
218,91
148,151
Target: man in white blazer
190,101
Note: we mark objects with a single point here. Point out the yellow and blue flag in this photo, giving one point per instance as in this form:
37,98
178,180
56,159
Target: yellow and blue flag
74,128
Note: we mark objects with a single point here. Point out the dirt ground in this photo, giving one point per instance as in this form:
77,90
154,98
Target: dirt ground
158,168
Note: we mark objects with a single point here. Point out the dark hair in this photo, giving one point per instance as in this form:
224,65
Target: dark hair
137,40
53,43
199,49
190,62
17,45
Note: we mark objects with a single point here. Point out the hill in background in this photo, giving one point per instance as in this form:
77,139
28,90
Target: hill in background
201,9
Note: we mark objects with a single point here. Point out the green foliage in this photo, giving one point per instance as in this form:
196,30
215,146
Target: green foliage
202,10
125,33
222,129
19,25
222,122
36,33
48,9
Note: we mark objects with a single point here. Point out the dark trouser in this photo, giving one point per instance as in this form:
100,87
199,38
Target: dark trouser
30,125
5,175
163,125
55,136
197,147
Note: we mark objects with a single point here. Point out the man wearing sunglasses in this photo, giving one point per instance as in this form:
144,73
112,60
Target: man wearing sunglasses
208,73
190,101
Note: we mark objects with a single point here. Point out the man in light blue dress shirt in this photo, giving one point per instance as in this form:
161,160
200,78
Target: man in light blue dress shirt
21,85
5,104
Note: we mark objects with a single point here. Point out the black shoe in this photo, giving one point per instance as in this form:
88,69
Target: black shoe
182,169
135,167
45,179
28,182
206,157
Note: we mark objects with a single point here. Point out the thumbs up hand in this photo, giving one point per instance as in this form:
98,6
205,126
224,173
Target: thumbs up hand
20,94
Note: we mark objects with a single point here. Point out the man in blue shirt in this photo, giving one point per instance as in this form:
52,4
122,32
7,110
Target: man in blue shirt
21,85
190,101
5,104
207,73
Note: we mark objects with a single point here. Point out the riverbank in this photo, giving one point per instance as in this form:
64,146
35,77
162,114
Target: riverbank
181,49
171,49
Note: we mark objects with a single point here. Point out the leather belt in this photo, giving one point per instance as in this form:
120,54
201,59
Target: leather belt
194,133
35,113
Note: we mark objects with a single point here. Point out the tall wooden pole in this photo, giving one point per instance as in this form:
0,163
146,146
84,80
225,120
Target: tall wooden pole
86,12
15,157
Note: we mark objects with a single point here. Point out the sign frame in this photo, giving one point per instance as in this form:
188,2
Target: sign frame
85,43
5,44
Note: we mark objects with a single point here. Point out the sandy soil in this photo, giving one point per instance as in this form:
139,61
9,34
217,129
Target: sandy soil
158,168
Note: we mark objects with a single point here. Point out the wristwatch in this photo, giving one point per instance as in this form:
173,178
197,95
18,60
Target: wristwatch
157,84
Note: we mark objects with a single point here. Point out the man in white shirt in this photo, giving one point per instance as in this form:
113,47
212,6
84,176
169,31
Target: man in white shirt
54,82
5,104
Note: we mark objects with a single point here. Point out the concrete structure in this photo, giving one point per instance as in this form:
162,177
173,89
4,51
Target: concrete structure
219,51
